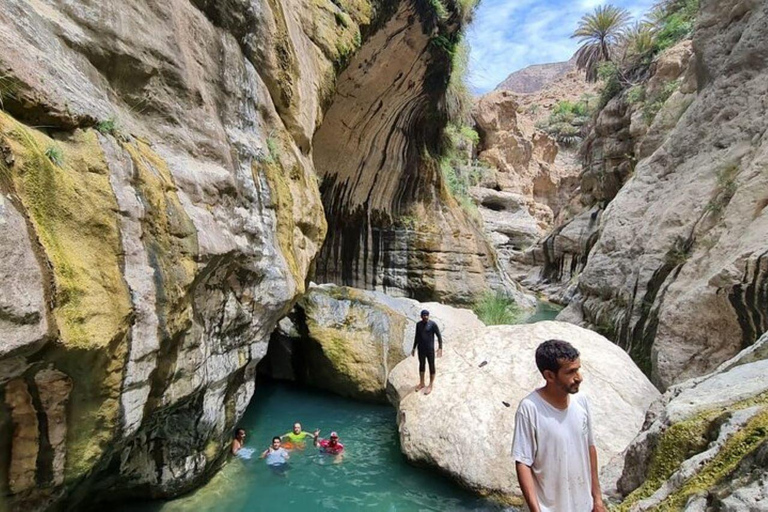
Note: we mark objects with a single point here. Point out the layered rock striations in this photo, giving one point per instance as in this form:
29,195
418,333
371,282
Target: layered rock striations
394,226
161,211
677,274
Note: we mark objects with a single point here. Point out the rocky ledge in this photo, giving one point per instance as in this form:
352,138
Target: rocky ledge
704,445
347,340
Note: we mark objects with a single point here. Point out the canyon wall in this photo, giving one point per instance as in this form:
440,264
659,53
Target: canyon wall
669,256
161,210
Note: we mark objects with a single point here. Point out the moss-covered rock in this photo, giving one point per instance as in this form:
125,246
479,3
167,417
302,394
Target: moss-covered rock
73,212
348,342
701,441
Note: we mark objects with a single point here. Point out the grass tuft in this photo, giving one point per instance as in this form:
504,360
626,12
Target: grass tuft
496,308
55,155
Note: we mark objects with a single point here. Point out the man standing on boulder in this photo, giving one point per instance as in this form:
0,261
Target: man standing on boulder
424,340
554,448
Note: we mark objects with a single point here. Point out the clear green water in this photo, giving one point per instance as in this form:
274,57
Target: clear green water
544,311
373,475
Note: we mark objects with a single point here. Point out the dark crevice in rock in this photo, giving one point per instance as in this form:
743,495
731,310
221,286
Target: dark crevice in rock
560,265
45,450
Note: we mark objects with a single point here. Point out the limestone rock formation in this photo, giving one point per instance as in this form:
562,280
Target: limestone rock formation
160,212
620,136
704,445
534,78
393,228
465,426
678,273
530,184
348,340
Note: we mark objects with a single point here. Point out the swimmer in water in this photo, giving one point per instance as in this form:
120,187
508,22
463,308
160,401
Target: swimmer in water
238,440
331,446
277,457
297,437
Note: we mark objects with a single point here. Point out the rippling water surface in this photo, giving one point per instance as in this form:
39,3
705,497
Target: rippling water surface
373,475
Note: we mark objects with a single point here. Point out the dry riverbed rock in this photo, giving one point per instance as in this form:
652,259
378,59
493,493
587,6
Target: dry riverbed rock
466,426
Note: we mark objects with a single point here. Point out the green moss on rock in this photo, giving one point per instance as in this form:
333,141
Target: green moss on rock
282,202
73,212
687,438
170,237
352,356
740,445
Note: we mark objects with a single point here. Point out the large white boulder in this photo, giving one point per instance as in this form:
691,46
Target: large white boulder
465,426
347,340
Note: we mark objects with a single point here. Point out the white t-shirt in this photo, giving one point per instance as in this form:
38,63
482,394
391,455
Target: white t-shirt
555,444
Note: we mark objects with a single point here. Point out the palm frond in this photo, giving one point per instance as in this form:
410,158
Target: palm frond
599,33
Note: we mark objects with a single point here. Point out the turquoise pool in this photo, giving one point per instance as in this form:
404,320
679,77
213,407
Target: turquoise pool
373,476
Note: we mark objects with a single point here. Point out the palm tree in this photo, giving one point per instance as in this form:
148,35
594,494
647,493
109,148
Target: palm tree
638,43
598,34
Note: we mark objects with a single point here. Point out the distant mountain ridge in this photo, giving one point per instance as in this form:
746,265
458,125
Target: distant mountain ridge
537,77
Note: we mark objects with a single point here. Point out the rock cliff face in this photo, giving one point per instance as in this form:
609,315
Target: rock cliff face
537,77
531,183
393,226
160,211
704,445
678,274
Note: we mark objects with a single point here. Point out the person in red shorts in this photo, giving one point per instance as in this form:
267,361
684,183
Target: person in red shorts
331,446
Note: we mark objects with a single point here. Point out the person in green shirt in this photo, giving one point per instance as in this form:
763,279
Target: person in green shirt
297,437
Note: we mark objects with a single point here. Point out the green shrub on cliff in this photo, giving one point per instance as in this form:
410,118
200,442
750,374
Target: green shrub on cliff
724,190
496,308
653,104
568,120
673,21
458,97
108,127
611,77
460,170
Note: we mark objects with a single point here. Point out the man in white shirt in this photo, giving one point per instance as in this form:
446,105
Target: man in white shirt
554,449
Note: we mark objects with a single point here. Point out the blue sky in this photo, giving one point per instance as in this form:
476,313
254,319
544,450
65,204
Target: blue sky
507,35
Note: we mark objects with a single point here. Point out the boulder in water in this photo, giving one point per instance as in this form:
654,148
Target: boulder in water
465,426
347,340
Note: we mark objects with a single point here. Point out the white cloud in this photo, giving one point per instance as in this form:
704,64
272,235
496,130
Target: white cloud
508,35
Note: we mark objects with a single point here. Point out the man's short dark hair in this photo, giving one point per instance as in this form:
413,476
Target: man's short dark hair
551,352
276,438
238,430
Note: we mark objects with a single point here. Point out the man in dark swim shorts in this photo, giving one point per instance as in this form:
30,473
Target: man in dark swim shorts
424,340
